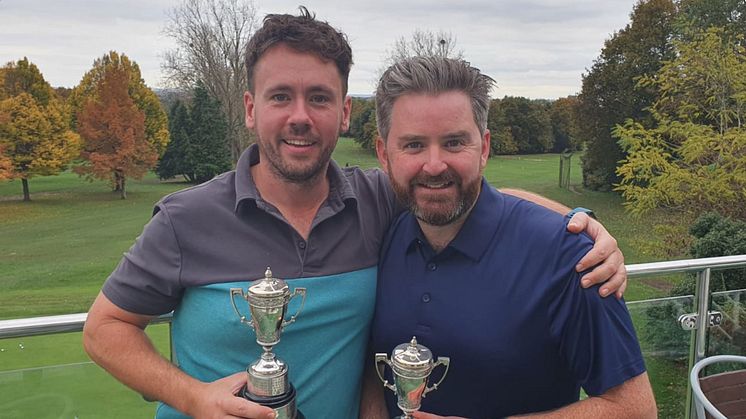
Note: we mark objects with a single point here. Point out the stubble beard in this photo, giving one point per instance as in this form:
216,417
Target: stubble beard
302,174
446,210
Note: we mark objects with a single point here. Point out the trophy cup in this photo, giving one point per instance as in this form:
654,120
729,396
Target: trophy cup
268,382
411,364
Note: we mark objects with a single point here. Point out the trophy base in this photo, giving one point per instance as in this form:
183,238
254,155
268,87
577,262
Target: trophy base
283,405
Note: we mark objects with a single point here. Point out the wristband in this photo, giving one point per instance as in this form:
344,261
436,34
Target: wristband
581,209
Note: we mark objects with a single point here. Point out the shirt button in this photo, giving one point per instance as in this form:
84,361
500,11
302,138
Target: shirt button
426,297
302,244
432,266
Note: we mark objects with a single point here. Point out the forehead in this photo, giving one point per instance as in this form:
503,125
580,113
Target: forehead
431,114
283,65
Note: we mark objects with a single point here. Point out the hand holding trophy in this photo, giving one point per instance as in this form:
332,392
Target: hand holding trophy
268,382
411,364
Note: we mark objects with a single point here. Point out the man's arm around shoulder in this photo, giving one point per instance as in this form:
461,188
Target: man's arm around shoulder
632,399
115,339
629,400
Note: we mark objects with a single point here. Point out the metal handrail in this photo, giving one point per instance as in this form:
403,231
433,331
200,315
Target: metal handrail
74,322
685,265
47,325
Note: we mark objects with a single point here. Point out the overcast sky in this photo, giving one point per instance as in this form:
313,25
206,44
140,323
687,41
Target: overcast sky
535,48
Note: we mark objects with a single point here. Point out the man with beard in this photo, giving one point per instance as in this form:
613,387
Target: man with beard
287,206
485,278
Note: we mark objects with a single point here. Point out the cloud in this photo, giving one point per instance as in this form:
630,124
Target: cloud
524,45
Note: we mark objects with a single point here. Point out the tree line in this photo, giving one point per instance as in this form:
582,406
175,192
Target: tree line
110,126
517,125
659,116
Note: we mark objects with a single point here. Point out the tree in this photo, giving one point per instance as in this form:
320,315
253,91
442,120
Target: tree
211,38
362,117
36,139
6,165
564,117
501,137
35,135
521,124
156,121
174,161
24,77
610,92
113,128
696,16
209,136
694,158
199,148
421,43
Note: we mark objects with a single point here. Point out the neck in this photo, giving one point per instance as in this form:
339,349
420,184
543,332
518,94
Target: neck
297,202
440,236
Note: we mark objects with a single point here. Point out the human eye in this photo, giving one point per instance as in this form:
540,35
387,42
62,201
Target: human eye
413,146
319,99
454,143
280,97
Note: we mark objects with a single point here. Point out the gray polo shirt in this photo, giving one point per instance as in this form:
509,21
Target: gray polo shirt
204,240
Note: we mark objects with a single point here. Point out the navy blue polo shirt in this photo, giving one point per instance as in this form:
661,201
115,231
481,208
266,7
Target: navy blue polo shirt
503,301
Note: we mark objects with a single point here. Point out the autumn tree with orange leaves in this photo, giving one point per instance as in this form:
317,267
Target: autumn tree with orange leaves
115,146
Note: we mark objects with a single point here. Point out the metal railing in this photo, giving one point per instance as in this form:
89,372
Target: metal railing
703,267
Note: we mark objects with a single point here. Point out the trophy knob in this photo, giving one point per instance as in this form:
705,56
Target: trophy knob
412,359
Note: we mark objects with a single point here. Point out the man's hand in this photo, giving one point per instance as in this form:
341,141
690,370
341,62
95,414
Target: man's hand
605,250
218,400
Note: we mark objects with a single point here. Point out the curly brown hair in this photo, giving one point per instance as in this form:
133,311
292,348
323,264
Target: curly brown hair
303,33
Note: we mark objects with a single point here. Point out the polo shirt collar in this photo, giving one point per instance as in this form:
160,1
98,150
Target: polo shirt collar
478,230
340,189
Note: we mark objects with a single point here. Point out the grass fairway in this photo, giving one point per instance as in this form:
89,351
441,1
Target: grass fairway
56,251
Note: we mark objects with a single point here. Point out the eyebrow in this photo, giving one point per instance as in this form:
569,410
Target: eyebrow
283,87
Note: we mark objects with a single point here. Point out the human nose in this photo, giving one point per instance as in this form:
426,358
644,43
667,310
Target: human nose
299,119
435,165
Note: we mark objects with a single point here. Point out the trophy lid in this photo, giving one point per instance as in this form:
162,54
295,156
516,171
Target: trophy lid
412,357
268,287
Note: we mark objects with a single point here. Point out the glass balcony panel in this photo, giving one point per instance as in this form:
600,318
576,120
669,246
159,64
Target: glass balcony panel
50,376
665,346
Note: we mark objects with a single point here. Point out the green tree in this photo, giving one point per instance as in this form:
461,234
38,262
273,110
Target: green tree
528,123
156,121
694,158
174,162
24,77
35,138
500,135
563,114
113,128
199,147
696,16
610,92
363,115
209,136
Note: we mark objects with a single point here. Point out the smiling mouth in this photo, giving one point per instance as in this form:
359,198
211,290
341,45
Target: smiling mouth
435,185
298,143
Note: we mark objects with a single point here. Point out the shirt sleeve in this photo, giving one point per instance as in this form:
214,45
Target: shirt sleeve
147,279
597,338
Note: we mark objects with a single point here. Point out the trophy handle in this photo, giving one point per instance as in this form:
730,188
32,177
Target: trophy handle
380,357
297,291
444,361
239,291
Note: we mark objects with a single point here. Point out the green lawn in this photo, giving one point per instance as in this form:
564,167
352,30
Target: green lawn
56,251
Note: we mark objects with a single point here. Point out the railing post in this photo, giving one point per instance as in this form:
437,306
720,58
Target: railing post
698,348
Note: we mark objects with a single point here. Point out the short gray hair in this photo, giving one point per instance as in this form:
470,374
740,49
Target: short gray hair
433,75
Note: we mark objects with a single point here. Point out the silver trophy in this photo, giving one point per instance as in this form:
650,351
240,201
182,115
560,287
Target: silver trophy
267,382
411,364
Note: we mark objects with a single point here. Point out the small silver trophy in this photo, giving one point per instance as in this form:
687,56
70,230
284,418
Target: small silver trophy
267,382
411,364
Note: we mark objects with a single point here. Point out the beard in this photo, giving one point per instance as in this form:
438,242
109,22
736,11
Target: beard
296,172
437,211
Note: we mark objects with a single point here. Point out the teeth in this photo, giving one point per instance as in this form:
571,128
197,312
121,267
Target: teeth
436,185
298,142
